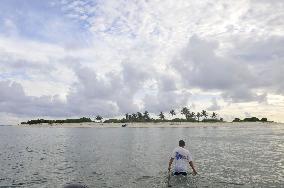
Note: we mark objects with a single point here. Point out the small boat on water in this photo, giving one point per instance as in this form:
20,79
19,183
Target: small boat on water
124,125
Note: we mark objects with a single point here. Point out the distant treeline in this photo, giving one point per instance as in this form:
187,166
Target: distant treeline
252,119
190,116
38,121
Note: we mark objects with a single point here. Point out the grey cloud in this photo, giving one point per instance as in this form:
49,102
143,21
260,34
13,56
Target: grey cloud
214,106
201,67
92,94
115,93
11,92
243,95
91,86
258,50
111,94
14,100
134,75
167,82
165,101
167,95
265,59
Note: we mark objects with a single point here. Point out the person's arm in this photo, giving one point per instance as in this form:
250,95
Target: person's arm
193,169
170,163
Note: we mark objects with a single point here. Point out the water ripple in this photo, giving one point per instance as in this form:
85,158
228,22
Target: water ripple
249,156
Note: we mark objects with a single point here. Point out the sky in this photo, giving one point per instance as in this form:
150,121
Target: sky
74,58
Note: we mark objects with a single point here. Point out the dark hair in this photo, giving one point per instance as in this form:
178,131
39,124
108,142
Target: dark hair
181,143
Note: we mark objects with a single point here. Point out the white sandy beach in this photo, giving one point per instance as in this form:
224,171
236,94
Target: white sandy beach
148,125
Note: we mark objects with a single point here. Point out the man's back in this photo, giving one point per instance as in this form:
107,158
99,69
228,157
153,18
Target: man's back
181,157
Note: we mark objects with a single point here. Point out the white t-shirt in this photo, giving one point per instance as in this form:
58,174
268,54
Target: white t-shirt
181,158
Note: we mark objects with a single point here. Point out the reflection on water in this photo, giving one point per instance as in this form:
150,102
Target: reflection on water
237,156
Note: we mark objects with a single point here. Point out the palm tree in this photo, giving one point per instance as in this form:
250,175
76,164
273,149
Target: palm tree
185,112
192,115
172,112
198,115
162,116
133,117
139,116
146,116
127,116
99,118
204,114
214,115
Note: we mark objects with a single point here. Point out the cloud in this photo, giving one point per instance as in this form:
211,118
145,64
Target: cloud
243,95
238,78
110,94
264,57
214,106
166,95
200,67
122,90
165,101
260,51
14,100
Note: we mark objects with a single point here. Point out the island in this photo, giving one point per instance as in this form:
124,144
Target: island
139,118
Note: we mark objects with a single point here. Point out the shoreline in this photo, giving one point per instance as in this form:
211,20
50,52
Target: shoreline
146,125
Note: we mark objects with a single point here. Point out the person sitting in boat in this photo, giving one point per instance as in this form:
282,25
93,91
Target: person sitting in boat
181,156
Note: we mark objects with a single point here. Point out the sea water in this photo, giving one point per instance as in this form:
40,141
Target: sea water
250,155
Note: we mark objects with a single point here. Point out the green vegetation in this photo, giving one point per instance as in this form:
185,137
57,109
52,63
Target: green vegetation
99,118
185,111
38,121
252,119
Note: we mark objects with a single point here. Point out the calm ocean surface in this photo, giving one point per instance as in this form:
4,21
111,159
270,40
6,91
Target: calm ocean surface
237,156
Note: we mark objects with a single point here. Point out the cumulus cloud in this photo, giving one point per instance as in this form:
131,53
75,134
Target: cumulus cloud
200,66
105,95
14,100
118,92
265,59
